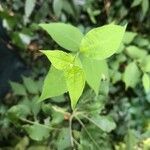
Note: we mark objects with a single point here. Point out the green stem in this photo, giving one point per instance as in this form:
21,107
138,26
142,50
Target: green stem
87,132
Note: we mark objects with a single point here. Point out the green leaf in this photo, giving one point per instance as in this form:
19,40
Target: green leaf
18,111
75,80
136,3
146,64
145,6
54,84
94,71
129,37
102,42
67,36
131,75
105,123
30,85
18,88
29,6
59,59
57,7
63,141
37,131
135,52
146,82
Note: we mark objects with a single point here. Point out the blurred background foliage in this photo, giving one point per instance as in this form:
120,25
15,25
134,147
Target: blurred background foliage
126,98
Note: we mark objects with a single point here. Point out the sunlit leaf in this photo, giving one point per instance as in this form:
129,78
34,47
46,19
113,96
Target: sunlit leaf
54,84
59,59
102,42
67,36
75,80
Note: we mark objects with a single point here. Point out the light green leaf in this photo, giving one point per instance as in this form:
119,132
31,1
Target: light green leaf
105,123
146,82
75,80
136,3
146,64
54,84
57,7
30,85
94,71
129,37
145,6
131,75
102,42
29,6
135,52
18,88
67,36
59,59
37,131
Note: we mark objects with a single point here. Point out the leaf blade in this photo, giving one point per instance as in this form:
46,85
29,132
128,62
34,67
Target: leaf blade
102,42
67,36
54,84
75,80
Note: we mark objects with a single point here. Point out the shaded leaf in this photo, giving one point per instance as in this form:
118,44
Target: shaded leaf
146,82
57,7
18,88
94,71
37,131
135,52
30,85
136,3
105,123
129,37
131,75
29,6
63,141
145,6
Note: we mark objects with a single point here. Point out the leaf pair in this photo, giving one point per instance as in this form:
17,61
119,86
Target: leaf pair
85,61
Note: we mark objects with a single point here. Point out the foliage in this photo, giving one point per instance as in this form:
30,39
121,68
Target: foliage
112,112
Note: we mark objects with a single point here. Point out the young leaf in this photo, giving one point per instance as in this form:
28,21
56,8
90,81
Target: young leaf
131,75
59,59
75,80
94,70
54,84
146,82
67,36
100,43
37,131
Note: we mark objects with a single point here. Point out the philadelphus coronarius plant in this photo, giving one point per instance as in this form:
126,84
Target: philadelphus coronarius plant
84,61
